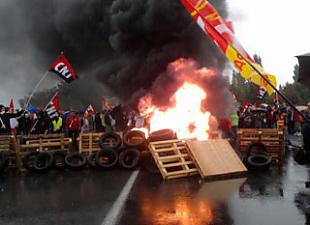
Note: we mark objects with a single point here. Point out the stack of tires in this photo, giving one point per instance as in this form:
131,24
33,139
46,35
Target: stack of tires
257,158
4,160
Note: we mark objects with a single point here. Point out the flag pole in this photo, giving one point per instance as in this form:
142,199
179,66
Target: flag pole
259,73
35,124
274,88
35,89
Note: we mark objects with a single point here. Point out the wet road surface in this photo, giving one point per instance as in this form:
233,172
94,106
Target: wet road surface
278,197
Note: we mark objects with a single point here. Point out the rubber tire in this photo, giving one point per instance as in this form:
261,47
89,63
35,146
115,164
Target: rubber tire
162,135
148,163
27,160
48,159
91,160
76,155
62,156
252,163
301,158
111,154
135,133
131,153
259,145
4,161
115,136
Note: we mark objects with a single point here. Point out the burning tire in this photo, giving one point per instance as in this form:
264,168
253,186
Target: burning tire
130,158
91,160
110,140
59,161
28,160
4,161
135,139
43,161
162,135
106,158
75,160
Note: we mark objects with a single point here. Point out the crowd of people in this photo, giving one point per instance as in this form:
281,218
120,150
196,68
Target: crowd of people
71,123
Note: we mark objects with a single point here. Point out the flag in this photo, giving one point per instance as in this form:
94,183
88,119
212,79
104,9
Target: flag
89,111
106,105
11,107
52,107
221,32
63,69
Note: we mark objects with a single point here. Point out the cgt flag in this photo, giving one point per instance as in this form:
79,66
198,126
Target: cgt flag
52,107
63,69
221,32
89,111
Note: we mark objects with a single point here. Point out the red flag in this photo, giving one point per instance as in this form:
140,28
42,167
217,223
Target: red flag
52,107
89,111
12,109
106,104
63,69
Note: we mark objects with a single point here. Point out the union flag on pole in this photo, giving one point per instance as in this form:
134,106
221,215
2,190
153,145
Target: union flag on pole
11,107
106,104
221,32
89,111
63,69
52,107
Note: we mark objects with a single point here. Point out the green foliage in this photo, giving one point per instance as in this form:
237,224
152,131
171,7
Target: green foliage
245,91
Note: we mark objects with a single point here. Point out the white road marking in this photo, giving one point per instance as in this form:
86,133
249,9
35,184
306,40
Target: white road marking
113,215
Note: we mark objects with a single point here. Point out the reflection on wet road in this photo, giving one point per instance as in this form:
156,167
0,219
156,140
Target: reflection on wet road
85,197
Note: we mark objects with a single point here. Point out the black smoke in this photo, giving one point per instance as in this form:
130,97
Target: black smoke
118,47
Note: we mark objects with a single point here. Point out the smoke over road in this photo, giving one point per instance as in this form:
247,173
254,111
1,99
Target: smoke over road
118,48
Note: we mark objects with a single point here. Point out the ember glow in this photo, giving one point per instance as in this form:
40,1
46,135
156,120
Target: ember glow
185,117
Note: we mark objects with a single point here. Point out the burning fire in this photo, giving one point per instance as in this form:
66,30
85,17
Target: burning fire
185,117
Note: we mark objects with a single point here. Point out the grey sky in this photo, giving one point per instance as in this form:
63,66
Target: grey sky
277,30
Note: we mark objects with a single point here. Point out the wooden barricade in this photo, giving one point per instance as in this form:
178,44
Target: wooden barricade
172,159
44,142
89,142
273,139
7,146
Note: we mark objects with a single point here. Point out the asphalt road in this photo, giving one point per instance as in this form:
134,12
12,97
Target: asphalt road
89,197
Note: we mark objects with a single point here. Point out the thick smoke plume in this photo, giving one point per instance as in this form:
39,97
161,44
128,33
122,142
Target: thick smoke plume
118,47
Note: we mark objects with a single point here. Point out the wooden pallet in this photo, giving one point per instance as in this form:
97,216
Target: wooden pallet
5,143
273,139
89,142
172,159
215,159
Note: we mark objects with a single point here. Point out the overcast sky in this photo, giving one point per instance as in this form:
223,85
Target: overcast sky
277,30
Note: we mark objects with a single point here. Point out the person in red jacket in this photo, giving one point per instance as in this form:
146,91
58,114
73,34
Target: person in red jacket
73,126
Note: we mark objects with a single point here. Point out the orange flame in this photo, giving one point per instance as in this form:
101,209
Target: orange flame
185,117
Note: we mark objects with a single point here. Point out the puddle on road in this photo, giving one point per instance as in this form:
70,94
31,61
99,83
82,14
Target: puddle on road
273,198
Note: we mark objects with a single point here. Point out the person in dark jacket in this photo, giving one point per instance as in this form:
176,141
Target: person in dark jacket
24,124
5,116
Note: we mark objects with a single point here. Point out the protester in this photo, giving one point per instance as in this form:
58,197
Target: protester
57,125
73,125
5,116
234,126
42,124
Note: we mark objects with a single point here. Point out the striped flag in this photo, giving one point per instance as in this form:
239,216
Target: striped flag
89,111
